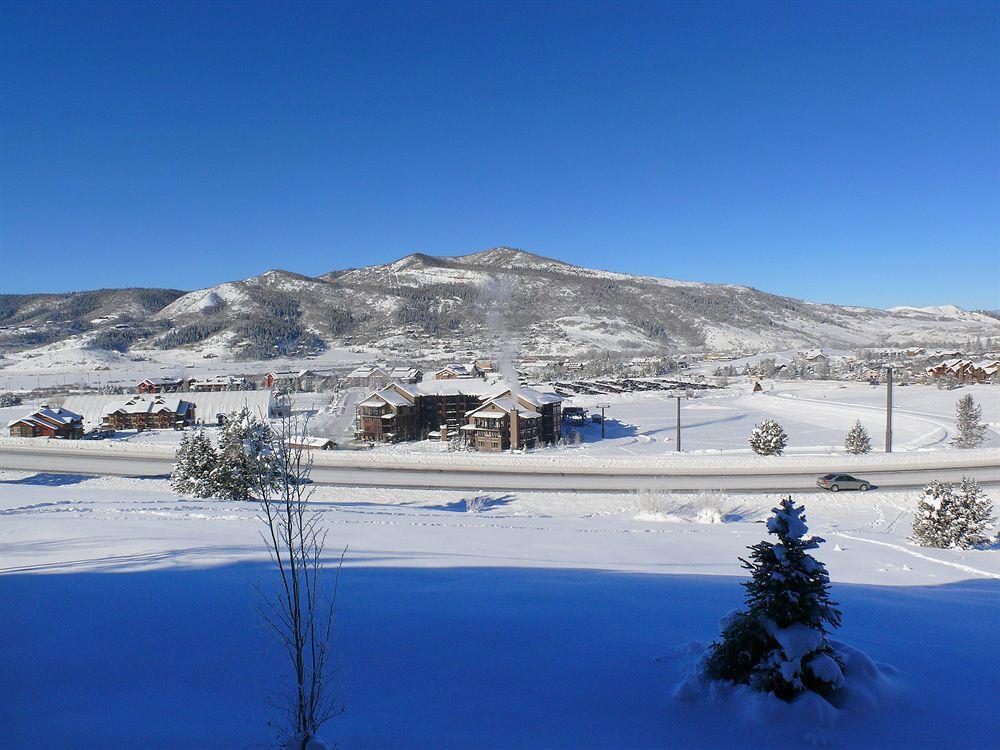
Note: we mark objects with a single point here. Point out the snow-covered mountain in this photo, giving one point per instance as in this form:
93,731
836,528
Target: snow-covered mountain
544,306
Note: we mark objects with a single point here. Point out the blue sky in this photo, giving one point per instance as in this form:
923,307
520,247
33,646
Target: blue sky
836,152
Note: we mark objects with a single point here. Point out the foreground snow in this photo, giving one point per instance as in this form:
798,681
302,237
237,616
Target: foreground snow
544,620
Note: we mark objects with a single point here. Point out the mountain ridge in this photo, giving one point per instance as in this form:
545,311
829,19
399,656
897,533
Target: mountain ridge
432,304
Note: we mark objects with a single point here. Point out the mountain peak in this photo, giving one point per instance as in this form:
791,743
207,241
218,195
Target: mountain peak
507,257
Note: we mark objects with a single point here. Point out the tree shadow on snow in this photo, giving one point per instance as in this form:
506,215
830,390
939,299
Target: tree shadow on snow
474,504
50,479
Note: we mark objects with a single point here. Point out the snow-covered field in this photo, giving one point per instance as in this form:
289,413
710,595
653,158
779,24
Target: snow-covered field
71,362
543,621
816,416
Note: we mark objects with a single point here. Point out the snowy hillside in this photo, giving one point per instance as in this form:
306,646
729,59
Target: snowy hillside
436,305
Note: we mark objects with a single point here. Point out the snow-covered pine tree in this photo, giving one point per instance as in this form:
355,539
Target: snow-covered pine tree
971,431
768,438
243,444
857,440
196,460
932,520
950,516
179,473
9,399
779,643
973,515
947,382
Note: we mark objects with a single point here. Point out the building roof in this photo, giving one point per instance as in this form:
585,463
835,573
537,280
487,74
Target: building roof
367,371
466,386
208,404
161,381
525,394
312,442
501,406
149,404
387,396
48,416
461,369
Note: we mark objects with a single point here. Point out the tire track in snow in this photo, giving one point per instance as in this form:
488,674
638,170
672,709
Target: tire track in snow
900,548
919,442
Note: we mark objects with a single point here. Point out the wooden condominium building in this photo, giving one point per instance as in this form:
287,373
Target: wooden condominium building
388,416
49,422
966,370
150,412
513,421
483,417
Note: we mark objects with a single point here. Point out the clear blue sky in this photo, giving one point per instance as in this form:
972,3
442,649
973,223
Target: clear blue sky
836,152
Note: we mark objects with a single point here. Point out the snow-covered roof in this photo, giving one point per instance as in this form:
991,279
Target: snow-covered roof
386,396
468,387
501,406
48,416
207,404
525,394
461,369
142,403
310,441
489,411
367,371
161,381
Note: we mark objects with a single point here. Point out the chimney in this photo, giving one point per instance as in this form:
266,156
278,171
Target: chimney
514,428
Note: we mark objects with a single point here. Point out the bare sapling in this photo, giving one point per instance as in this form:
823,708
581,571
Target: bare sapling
301,610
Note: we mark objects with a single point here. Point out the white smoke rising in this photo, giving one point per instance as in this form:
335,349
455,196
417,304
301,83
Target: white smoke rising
495,299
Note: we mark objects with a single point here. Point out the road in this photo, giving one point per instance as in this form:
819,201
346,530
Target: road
510,477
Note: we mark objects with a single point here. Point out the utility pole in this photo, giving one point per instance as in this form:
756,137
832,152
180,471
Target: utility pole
678,424
603,407
888,410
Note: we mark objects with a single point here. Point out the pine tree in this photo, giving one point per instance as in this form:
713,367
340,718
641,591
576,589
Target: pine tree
953,517
242,446
947,382
768,438
195,461
857,440
779,644
179,473
973,515
932,521
971,432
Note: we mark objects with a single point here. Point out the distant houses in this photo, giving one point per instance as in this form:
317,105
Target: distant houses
458,371
405,374
221,383
966,370
48,421
160,385
368,376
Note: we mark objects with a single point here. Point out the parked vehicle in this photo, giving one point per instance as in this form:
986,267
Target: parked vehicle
838,482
